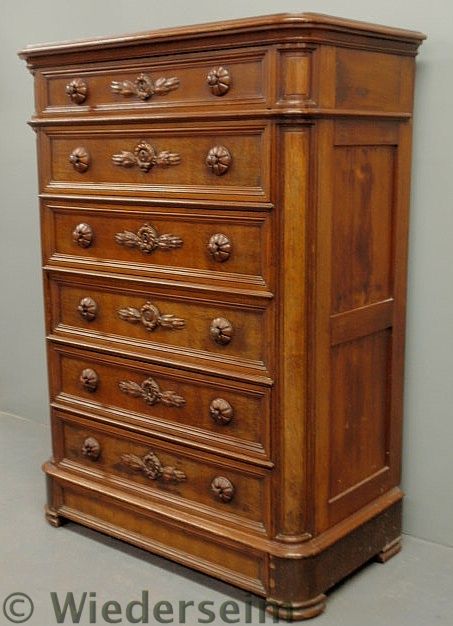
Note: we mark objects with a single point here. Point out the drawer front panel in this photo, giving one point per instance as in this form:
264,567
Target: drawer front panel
200,245
203,553
229,419
224,79
221,160
113,311
139,464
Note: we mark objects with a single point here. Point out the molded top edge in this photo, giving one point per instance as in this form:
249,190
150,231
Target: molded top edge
243,25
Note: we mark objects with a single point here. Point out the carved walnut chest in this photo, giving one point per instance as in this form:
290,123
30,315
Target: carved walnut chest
224,235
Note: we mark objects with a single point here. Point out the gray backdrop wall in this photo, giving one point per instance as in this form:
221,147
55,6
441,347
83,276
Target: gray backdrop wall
428,466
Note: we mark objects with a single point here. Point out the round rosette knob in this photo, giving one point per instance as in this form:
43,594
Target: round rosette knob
219,80
218,160
221,330
222,488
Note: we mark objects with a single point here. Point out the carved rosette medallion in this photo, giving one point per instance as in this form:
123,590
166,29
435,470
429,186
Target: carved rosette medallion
83,235
218,160
151,318
145,157
222,488
151,466
80,159
220,247
77,90
221,330
88,309
91,448
144,87
221,411
89,379
150,392
219,80
147,239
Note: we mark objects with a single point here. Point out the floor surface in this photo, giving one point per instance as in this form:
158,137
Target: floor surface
413,589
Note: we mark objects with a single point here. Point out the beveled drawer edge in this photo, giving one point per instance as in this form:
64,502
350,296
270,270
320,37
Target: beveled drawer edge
57,260
191,353
76,350
112,416
161,202
56,204
72,277
170,62
175,190
245,374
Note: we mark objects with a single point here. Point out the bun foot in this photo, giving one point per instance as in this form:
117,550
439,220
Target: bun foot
294,612
389,550
53,518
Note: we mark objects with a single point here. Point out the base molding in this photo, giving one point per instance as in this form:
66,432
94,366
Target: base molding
294,582
53,517
293,612
389,550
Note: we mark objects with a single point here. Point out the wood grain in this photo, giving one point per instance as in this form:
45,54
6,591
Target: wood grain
224,217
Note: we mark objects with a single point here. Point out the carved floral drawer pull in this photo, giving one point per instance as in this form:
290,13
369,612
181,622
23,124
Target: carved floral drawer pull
145,157
221,330
80,159
150,392
151,318
77,90
221,411
91,448
144,87
88,309
83,235
220,247
152,468
89,379
219,80
147,239
222,488
218,160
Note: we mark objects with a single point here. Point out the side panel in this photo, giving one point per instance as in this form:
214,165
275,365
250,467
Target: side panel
359,317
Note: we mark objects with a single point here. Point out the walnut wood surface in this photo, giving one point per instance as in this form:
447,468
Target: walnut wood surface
246,433
251,485
248,342
247,176
250,236
247,83
224,214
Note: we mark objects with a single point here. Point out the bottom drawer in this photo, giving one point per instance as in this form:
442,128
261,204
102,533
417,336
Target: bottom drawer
178,476
192,547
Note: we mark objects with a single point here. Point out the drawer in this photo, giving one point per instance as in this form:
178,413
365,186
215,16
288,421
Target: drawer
224,79
216,161
201,245
177,322
169,473
207,552
229,418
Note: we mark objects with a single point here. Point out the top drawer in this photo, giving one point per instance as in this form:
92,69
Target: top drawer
223,79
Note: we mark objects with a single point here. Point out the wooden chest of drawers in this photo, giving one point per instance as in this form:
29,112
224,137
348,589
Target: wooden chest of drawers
224,234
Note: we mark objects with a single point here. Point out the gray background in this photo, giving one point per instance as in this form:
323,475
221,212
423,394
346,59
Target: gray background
428,465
